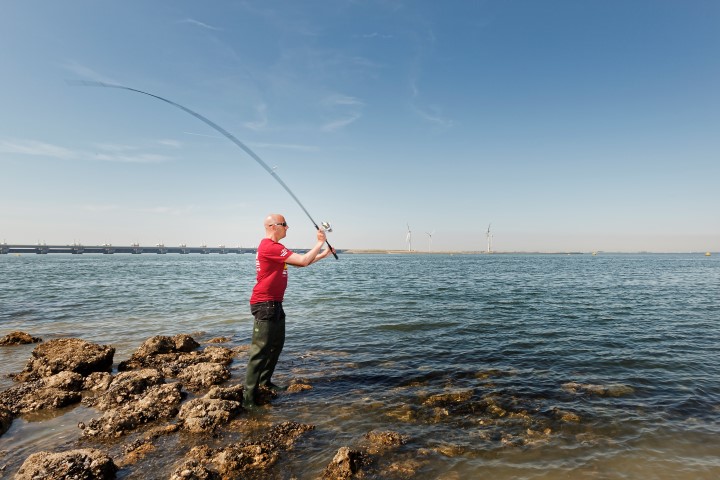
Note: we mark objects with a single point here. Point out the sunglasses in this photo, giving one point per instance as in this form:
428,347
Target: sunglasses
284,224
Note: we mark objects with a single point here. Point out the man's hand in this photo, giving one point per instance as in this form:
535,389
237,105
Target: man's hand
321,236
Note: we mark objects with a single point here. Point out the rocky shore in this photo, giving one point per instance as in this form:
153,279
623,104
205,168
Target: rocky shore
176,391
148,394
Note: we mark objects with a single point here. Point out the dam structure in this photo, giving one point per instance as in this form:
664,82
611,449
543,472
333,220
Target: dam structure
108,249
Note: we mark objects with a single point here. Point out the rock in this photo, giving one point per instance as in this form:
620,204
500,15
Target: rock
615,390
344,464
444,399
125,387
159,402
204,375
49,393
240,460
298,387
86,464
193,470
67,354
382,440
206,414
18,338
234,392
98,381
6,418
244,459
219,340
173,355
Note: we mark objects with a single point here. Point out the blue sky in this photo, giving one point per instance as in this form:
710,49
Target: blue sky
569,125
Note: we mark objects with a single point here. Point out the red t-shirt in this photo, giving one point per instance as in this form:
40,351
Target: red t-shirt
272,272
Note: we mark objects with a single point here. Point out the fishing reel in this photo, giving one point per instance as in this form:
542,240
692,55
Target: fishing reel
326,226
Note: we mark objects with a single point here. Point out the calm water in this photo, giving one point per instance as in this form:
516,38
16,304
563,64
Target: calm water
378,335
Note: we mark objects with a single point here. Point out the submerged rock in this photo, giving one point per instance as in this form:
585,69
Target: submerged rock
67,354
18,338
613,390
87,464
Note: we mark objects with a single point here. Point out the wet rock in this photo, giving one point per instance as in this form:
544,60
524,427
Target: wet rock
18,338
89,464
379,439
126,386
615,390
345,464
443,399
207,414
299,387
173,355
6,418
243,459
159,402
48,393
204,375
193,470
219,340
141,447
67,354
234,392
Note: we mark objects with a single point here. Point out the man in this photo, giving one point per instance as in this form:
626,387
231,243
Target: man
266,303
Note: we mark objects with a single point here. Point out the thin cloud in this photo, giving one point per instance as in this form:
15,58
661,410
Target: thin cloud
87,72
110,153
345,107
198,23
170,143
261,122
34,148
340,123
427,113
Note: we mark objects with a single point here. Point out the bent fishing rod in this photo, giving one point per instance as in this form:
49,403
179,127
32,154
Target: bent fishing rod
227,135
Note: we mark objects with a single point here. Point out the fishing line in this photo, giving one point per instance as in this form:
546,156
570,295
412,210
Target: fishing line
225,133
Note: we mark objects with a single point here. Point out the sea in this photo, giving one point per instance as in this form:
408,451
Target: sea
500,366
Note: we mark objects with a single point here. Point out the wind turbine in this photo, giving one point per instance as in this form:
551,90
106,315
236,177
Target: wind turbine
408,238
489,239
429,234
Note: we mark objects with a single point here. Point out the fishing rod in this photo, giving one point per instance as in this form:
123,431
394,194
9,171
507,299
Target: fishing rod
229,136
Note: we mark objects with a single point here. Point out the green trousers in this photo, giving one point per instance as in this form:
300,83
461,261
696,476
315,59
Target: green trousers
267,343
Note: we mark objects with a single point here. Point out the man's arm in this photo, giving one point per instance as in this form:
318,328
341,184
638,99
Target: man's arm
312,255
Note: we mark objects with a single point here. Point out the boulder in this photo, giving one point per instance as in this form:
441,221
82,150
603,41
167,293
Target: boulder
204,375
125,387
345,464
67,354
18,338
87,464
159,402
49,393
206,414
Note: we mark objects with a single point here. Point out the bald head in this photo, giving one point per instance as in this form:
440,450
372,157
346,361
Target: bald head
275,226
